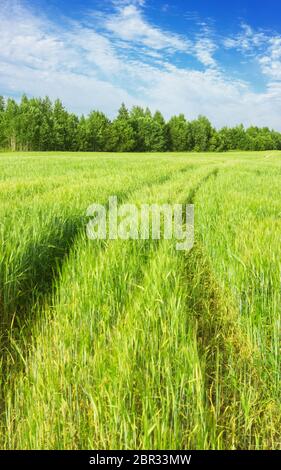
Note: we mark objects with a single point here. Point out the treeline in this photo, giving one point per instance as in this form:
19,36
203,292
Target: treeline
40,125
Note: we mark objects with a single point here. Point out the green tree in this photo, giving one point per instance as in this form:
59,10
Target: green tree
150,131
123,113
2,116
60,126
137,114
202,133
178,134
37,124
11,123
98,127
163,131
46,140
276,137
238,138
82,135
71,142
30,123
122,137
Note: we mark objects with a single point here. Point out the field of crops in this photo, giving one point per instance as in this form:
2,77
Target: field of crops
132,344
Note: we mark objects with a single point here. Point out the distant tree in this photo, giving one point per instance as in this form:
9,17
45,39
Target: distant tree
238,138
98,128
216,142
60,126
37,124
11,124
137,114
2,116
123,113
2,104
82,135
178,134
221,140
152,134
202,133
150,131
30,122
276,138
163,131
71,142
122,137
262,139
147,112
47,125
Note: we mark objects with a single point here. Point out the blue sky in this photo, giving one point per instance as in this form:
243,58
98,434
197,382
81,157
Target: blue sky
220,59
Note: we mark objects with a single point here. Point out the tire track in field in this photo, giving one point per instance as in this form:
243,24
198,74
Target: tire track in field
192,193
107,343
41,263
151,247
221,345
229,359
231,364
39,282
139,273
220,339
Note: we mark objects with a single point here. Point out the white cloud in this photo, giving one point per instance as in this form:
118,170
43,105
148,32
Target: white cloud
271,61
247,40
264,47
129,25
121,3
204,50
88,67
225,102
28,40
93,50
80,93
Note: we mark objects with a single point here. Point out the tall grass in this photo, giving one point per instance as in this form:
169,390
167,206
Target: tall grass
132,344
238,227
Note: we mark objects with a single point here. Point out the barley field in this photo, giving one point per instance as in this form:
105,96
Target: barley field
116,344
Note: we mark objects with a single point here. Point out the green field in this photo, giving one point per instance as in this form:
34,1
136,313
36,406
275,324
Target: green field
133,344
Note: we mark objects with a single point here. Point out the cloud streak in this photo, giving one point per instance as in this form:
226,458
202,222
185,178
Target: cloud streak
129,25
123,57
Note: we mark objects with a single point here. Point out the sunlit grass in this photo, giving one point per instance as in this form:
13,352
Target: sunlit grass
131,344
